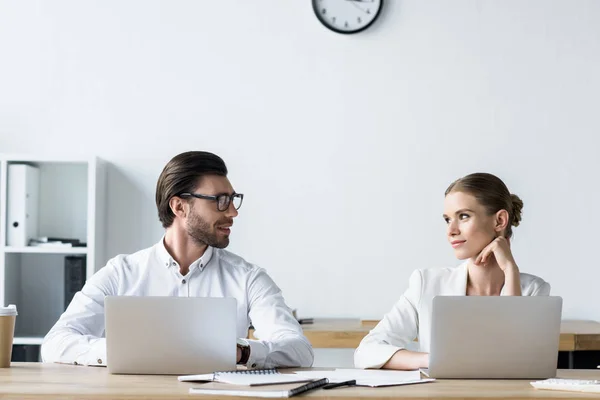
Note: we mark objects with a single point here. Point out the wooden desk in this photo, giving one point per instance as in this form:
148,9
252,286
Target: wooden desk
55,381
337,333
579,335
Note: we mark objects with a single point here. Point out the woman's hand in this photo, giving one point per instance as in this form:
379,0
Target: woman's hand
500,250
407,360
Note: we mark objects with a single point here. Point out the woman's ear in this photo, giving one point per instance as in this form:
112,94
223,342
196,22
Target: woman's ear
501,221
178,206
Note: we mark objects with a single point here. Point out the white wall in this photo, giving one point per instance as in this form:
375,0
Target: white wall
343,145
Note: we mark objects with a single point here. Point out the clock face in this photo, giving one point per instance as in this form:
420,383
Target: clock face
347,16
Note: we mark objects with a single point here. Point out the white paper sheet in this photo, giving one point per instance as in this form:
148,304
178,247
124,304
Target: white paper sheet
370,377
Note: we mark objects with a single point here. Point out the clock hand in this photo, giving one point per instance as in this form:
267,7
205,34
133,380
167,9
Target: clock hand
353,2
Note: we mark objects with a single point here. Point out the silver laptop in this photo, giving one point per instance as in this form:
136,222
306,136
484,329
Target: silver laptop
488,337
170,335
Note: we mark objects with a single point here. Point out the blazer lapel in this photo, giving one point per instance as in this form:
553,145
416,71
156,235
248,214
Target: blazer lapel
457,282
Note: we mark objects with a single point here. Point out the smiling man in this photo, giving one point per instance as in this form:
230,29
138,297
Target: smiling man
196,205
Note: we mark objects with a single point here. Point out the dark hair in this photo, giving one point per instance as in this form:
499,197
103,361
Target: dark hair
182,174
492,193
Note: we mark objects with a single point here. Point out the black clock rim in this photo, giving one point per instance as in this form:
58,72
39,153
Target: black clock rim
322,21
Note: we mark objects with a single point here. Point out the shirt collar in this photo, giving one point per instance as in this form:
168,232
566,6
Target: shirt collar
165,258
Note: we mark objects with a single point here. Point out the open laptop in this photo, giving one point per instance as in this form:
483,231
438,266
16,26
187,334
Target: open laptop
489,337
170,335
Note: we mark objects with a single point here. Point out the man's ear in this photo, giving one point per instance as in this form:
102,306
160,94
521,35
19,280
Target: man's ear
501,221
179,207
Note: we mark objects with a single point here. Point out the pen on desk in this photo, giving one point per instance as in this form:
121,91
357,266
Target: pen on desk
339,384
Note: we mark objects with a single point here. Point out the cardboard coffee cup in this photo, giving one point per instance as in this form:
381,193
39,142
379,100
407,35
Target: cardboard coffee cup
8,315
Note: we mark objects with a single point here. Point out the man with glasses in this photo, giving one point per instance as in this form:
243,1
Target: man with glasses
196,206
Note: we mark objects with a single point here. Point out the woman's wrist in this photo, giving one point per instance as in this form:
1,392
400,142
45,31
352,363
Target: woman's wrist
511,269
512,281
407,360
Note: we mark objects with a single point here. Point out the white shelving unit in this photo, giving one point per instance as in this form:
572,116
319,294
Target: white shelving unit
28,340
72,193
46,250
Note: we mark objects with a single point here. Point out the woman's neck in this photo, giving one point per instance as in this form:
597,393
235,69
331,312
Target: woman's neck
484,280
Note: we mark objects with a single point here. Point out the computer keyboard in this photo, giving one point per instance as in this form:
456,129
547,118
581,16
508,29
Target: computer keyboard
573,385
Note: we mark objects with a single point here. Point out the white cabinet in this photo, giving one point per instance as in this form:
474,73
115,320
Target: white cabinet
71,204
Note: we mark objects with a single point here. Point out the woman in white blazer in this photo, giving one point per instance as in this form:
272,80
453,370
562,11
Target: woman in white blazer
479,212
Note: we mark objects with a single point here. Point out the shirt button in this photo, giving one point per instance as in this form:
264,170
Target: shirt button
99,361
183,281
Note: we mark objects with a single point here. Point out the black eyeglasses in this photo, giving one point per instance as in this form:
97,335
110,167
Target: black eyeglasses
223,200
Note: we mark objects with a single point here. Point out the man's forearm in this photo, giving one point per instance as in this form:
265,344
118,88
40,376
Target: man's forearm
284,352
66,346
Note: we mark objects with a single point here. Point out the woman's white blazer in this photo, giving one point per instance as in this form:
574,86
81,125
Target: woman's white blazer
410,318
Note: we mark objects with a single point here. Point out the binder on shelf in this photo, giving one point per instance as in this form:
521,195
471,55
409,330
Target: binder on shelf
22,204
74,276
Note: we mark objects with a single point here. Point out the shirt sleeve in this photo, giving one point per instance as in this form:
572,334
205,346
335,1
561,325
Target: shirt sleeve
77,337
395,331
281,342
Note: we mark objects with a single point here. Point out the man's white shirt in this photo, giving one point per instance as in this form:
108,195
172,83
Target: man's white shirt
78,336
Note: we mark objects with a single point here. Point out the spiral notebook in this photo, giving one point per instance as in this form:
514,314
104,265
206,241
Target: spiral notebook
251,377
275,391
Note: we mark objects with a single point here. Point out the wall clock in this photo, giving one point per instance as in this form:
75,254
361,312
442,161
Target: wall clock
347,16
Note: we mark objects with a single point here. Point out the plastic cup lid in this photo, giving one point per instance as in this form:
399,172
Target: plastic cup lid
10,310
